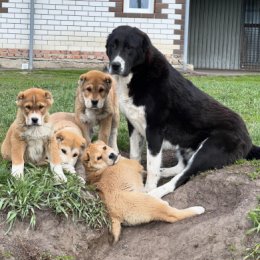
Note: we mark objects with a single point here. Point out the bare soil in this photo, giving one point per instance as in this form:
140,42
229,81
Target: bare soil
220,233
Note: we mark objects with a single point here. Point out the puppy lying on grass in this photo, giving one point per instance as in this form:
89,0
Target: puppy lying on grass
30,138
120,185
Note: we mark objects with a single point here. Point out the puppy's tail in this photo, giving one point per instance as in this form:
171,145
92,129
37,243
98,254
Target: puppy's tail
254,153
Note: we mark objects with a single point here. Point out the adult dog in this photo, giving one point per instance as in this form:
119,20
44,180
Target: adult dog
30,138
120,185
69,138
96,104
169,111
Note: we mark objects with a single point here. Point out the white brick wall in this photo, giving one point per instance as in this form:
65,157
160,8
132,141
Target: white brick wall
16,24
78,25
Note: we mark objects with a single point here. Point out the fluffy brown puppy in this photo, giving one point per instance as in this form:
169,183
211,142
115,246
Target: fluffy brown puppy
69,137
30,137
120,185
96,104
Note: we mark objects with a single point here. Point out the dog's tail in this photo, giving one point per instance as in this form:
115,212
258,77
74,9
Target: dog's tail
254,153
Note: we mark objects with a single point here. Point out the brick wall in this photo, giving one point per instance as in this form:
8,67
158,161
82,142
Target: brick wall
77,29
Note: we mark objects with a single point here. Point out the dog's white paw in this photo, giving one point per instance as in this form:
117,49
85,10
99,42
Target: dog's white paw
81,179
198,210
57,170
68,168
149,187
17,170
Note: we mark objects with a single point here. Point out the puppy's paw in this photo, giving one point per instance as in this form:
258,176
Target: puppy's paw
198,210
59,175
68,168
17,170
81,179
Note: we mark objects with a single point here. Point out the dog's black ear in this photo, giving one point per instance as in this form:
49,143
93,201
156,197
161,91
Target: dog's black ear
19,98
48,97
59,137
146,42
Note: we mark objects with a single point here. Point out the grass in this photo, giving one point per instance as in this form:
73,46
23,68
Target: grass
253,253
22,199
37,191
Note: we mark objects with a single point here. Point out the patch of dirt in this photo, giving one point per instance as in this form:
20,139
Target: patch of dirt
220,233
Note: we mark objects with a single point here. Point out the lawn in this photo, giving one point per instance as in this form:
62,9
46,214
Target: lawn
20,199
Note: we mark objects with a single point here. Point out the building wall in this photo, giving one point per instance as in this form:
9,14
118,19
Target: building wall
77,29
214,39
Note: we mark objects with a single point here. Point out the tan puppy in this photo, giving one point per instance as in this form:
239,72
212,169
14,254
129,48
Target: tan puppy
69,137
30,138
119,182
96,104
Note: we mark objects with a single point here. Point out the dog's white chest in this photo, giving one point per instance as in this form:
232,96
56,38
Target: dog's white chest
89,117
35,150
135,114
36,141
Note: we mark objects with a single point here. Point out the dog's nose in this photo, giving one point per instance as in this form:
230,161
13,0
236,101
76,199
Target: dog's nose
112,156
116,66
34,120
94,102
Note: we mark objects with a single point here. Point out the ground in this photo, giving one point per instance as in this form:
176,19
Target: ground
227,194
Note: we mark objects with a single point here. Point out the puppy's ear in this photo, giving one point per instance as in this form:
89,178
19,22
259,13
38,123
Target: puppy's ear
108,81
59,137
82,79
83,144
85,157
48,97
99,142
20,98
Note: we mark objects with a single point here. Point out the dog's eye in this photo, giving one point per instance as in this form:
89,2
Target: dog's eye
75,155
41,106
89,89
28,107
101,90
128,47
104,148
99,158
113,46
64,151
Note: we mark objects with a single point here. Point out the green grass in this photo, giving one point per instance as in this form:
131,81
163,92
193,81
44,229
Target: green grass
253,253
22,199
37,191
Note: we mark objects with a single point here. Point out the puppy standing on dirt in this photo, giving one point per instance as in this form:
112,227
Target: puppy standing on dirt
96,104
120,185
69,138
30,138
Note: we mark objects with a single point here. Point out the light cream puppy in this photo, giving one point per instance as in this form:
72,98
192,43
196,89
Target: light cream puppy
69,137
120,185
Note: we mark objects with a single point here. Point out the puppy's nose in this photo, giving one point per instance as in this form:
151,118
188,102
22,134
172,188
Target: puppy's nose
116,67
112,156
94,102
34,120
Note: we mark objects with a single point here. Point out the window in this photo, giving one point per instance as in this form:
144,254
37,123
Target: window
139,6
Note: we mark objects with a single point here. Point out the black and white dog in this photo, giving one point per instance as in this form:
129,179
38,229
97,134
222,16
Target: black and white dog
169,111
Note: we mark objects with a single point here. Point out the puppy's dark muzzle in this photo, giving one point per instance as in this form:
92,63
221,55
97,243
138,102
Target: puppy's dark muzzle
113,157
94,103
35,121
